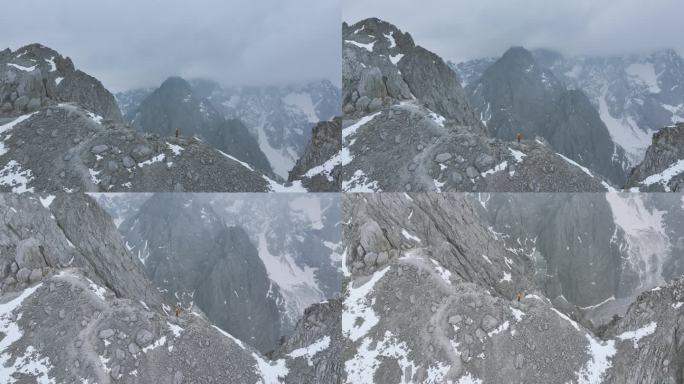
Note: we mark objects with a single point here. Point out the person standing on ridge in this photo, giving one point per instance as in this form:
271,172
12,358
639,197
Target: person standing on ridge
178,309
177,132
519,296
518,137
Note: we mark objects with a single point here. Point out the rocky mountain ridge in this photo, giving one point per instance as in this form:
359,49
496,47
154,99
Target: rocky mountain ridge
60,143
431,298
404,110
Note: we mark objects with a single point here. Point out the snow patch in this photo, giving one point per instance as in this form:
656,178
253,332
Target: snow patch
638,334
357,306
359,182
310,351
47,200
444,273
500,167
599,361
395,58
13,176
666,175
361,368
176,149
368,47
409,236
157,159
51,62
22,68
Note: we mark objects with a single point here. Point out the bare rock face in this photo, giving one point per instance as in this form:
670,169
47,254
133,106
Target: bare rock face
662,170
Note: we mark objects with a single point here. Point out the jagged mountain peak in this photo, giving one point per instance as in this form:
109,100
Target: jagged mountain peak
176,106
518,64
516,94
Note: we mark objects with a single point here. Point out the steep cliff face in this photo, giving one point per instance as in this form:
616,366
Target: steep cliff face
195,259
35,76
662,169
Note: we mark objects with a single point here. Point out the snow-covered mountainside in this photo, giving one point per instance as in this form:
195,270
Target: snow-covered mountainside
293,243
76,307
663,166
635,95
60,130
408,126
280,117
434,279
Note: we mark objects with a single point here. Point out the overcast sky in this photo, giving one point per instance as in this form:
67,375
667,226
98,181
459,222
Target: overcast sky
464,29
128,44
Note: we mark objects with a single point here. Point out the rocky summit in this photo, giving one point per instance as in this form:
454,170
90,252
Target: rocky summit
408,126
437,294
35,76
